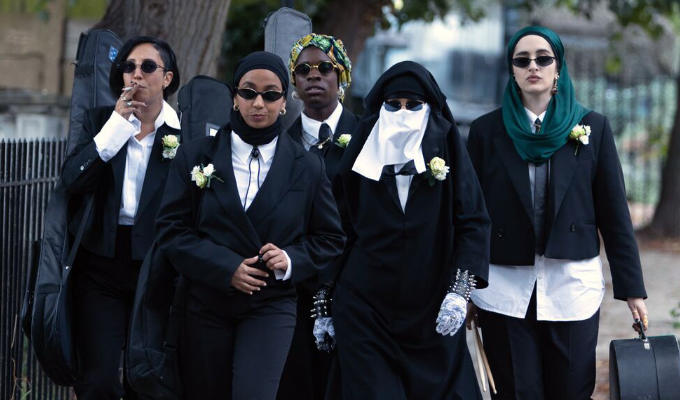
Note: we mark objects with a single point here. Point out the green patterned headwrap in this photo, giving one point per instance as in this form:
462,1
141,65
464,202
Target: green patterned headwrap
333,48
563,112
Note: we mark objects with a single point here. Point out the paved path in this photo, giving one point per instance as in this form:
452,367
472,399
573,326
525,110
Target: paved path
662,279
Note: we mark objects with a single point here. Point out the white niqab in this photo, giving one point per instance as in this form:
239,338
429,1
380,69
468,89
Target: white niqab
396,138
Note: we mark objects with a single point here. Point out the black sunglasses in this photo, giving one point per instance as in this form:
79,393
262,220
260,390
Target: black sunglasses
268,96
541,61
147,66
396,105
324,68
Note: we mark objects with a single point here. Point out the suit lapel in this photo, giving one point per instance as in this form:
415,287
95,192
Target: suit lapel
431,145
282,174
562,168
227,192
156,169
517,169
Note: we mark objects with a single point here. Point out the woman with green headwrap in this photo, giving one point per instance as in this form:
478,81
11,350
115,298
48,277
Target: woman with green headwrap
551,179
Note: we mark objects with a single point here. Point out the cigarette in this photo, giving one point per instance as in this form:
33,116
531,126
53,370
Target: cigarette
127,88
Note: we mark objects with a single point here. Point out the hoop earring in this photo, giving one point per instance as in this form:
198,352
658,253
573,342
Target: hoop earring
341,93
235,107
554,87
283,111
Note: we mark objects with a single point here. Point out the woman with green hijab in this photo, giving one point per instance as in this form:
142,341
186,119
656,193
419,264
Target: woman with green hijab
552,180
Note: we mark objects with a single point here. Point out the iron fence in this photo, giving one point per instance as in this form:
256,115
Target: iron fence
29,170
641,113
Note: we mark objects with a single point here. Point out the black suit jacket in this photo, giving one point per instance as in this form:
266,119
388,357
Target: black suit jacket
586,193
206,233
332,154
85,172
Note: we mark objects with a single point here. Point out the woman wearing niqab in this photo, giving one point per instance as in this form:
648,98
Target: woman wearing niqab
419,221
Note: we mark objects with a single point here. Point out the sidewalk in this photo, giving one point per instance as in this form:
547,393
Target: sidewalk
661,271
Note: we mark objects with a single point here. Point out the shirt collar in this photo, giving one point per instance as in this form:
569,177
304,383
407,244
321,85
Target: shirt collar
532,116
311,126
242,149
167,116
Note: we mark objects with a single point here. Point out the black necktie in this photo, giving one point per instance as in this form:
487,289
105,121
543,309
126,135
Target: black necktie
537,125
254,155
540,202
324,135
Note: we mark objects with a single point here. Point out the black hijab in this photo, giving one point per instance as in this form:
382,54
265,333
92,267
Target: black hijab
257,60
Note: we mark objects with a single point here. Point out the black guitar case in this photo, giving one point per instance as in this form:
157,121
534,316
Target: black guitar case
647,368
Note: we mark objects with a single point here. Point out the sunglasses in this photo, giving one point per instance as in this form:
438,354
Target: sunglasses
541,61
147,66
268,96
324,68
396,105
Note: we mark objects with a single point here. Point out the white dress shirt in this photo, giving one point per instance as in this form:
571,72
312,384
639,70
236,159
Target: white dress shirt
310,127
249,182
403,185
566,290
117,132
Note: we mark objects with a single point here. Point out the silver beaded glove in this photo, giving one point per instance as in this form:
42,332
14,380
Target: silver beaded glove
323,331
454,307
324,334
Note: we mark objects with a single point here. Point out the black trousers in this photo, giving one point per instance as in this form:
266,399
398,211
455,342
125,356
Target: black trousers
305,374
237,356
103,294
533,359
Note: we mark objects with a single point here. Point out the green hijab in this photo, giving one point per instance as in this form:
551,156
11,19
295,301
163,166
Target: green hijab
563,112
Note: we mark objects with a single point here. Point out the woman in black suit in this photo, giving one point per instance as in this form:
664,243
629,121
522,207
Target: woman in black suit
121,157
245,215
551,179
420,244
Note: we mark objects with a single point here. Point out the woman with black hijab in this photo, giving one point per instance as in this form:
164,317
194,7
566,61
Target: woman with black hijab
551,179
419,223
245,213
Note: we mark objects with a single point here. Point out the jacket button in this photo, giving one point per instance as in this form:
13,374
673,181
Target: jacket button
572,228
500,234
82,167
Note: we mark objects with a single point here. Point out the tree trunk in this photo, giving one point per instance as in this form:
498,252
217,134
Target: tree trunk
666,221
352,21
192,28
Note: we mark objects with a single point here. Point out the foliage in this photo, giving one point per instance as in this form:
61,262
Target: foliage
675,313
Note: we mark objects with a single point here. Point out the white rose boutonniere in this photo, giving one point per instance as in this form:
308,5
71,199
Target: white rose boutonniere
581,134
438,170
170,145
203,176
343,140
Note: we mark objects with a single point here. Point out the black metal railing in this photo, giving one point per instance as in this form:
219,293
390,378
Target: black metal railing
29,170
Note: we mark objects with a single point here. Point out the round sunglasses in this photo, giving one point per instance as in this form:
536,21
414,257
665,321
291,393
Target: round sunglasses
268,96
324,68
396,105
541,61
147,66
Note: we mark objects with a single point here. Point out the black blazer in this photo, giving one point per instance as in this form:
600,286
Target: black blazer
85,172
586,193
332,153
206,233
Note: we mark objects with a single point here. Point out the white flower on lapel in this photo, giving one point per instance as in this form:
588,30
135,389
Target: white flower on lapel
343,140
170,146
438,168
581,134
203,176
